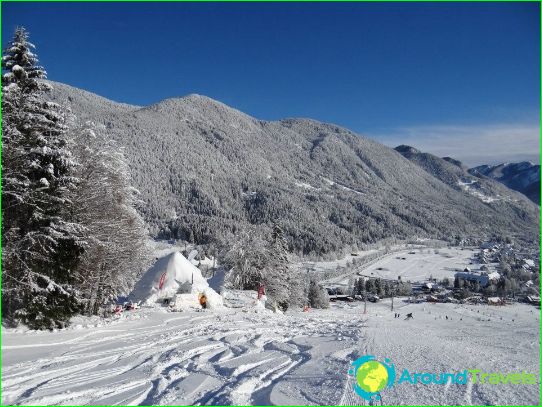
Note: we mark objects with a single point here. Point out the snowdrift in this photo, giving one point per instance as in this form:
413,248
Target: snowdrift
168,276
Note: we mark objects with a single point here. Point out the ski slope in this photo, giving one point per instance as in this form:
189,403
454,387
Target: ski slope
232,357
489,338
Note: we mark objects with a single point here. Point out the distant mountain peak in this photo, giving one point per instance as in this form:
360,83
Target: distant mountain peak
455,162
403,148
523,177
191,99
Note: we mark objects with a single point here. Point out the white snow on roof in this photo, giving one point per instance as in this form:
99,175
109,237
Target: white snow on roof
494,276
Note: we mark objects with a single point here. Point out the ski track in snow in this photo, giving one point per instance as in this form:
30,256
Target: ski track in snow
242,358
167,358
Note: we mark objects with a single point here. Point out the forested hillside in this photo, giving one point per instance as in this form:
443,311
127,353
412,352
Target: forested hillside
205,170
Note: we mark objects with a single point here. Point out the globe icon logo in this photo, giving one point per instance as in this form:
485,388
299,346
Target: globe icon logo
372,376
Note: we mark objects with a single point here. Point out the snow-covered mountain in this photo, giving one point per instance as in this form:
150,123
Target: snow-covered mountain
454,174
523,177
205,169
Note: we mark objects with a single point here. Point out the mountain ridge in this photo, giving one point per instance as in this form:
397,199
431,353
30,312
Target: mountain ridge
522,176
205,170
455,175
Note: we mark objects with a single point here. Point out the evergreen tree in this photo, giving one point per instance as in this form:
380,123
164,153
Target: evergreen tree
476,286
360,286
370,286
41,242
387,289
378,288
284,286
458,283
318,297
502,286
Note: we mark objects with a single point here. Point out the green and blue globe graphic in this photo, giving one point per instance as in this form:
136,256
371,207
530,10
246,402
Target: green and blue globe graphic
372,376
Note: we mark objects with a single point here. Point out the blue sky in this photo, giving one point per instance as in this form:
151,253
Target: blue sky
453,79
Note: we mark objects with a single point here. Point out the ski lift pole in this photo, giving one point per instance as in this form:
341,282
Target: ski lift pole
365,302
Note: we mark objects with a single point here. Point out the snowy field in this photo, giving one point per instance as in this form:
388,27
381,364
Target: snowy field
323,266
233,357
439,263
415,265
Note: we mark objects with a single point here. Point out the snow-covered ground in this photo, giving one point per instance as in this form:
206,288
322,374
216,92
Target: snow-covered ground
492,339
323,266
422,264
469,187
415,265
233,357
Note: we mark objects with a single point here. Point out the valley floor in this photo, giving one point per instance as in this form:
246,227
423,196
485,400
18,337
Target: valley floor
234,357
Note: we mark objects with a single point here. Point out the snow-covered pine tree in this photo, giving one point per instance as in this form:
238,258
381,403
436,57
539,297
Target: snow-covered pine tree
370,286
285,287
117,251
378,288
318,297
360,286
41,243
386,289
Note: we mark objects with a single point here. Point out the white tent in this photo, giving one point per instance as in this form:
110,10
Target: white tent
169,276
